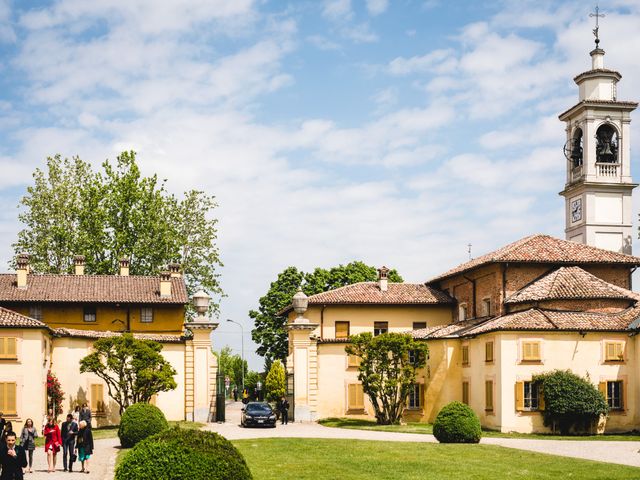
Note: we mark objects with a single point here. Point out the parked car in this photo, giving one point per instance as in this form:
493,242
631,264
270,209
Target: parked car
258,414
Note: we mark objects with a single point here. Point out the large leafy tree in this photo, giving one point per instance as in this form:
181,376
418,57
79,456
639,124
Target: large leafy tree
270,328
114,213
134,370
232,365
388,366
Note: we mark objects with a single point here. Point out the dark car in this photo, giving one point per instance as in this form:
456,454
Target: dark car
258,414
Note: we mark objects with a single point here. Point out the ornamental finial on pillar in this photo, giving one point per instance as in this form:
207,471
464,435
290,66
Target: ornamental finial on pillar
300,303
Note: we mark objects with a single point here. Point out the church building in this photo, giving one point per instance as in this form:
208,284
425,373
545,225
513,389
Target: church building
491,324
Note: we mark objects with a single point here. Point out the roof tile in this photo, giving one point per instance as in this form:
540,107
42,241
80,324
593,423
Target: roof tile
9,318
91,289
570,283
544,249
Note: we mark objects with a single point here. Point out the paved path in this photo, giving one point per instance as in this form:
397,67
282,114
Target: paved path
624,453
102,463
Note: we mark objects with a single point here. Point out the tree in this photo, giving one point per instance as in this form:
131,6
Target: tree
134,370
276,382
270,331
71,210
388,366
231,365
55,395
570,401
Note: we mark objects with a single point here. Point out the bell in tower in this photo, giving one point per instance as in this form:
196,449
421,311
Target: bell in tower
598,184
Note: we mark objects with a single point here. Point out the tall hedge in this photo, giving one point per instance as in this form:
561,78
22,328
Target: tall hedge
140,421
457,423
184,454
572,403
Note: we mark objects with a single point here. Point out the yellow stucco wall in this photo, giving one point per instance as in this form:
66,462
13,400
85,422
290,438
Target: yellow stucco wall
29,372
166,318
333,373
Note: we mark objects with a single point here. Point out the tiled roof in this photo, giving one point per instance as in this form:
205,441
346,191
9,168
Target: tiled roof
596,71
334,340
369,293
568,283
544,249
450,330
94,334
537,319
9,318
91,289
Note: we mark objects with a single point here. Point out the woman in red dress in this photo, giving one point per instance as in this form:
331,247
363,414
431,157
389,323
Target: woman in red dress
52,440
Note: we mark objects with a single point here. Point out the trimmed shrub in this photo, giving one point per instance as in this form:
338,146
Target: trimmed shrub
181,454
140,421
572,404
457,423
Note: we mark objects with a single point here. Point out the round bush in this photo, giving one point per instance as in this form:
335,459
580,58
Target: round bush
457,423
140,421
184,454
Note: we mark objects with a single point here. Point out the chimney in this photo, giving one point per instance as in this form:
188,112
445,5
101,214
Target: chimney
78,261
23,270
165,284
124,267
174,270
383,274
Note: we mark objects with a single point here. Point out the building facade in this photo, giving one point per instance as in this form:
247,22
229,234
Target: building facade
493,323
50,322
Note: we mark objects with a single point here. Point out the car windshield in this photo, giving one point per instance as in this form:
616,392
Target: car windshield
258,408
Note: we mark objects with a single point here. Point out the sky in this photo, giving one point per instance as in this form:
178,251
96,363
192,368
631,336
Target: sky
392,132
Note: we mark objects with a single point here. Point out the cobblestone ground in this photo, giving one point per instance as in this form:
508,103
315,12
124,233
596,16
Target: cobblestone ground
624,453
102,463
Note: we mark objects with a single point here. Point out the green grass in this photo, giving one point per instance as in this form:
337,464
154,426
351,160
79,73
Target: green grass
310,459
428,428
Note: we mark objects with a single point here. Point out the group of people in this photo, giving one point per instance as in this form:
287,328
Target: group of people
74,437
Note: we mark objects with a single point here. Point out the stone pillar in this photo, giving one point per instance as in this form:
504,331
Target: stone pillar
201,365
303,361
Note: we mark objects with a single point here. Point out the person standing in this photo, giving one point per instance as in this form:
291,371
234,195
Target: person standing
28,440
235,393
2,422
85,414
53,441
69,432
12,459
284,410
8,428
76,414
45,419
84,445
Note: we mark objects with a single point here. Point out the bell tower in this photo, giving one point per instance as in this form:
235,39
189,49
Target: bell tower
598,187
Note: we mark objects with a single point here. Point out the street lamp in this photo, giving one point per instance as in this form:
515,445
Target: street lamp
242,351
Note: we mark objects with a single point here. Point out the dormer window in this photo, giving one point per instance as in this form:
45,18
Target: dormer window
606,144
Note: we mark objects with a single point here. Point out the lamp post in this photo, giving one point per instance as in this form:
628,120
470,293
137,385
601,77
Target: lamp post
241,351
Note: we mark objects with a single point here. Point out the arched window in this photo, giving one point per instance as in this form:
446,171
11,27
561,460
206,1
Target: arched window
576,148
606,144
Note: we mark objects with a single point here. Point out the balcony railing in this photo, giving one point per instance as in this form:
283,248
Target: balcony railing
607,169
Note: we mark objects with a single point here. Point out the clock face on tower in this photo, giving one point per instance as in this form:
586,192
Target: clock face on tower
576,210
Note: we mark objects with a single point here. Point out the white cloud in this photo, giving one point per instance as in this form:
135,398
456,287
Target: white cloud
376,7
323,43
337,9
7,33
359,33
439,61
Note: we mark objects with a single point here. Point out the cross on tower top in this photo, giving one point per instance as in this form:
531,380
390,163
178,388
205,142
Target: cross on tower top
598,15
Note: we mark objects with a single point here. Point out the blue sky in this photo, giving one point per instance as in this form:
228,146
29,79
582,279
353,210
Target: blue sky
389,132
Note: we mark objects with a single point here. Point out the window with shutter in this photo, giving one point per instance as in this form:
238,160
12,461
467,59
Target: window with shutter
488,352
414,400
342,329
8,394
353,361
531,351
614,351
8,348
488,393
355,397
465,355
613,391
380,328
465,392
146,315
97,398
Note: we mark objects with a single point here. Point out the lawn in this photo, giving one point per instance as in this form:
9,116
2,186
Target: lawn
428,428
310,459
